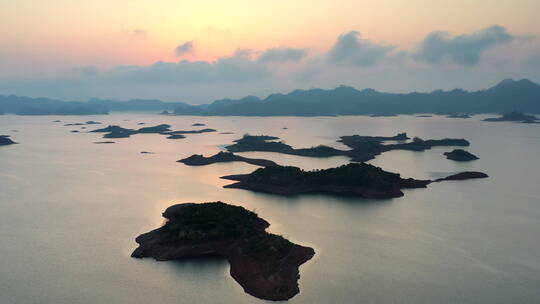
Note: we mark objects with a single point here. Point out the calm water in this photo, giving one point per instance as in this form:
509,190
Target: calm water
70,210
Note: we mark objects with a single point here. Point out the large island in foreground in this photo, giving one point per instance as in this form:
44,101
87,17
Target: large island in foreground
265,265
359,179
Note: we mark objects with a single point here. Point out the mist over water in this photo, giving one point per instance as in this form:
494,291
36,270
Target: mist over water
71,209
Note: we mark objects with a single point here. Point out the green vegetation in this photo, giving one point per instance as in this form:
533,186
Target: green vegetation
347,175
206,221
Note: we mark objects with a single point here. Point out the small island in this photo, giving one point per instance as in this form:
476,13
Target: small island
357,179
459,115
5,140
515,117
265,265
460,155
198,124
462,176
224,157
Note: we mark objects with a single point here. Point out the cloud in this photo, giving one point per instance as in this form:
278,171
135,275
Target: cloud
281,54
465,49
350,49
236,68
184,48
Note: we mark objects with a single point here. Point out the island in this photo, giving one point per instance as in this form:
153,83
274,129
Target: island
265,265
363,148
265,143
366,148
198,124
90,122
515,117
357,179
460,155
459,115
176,136
5,140
463,176
224,157
114,131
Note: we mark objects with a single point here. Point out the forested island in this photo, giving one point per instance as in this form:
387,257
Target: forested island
264,264
358,179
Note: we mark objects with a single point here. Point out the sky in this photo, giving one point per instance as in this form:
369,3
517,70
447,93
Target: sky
199,51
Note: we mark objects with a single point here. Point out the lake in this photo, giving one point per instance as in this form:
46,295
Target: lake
71,209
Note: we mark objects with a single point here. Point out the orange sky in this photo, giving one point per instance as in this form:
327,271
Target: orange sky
48,36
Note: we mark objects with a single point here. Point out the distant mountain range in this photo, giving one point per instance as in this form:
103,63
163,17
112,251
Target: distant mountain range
509,95
21,105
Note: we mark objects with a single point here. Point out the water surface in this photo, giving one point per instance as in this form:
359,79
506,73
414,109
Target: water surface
70,210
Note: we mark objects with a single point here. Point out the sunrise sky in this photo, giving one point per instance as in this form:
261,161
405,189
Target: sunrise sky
197,51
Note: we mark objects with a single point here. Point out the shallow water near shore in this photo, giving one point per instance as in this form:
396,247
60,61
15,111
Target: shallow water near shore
71,209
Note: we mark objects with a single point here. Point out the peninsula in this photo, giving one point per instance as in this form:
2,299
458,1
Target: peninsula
265,265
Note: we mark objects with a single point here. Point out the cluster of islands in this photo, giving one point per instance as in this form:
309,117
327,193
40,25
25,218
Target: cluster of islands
264,264
114,131
356,178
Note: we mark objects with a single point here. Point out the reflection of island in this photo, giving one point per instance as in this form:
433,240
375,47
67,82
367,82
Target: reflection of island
460,155
264,264
361,179
5,140
224,157
515,116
